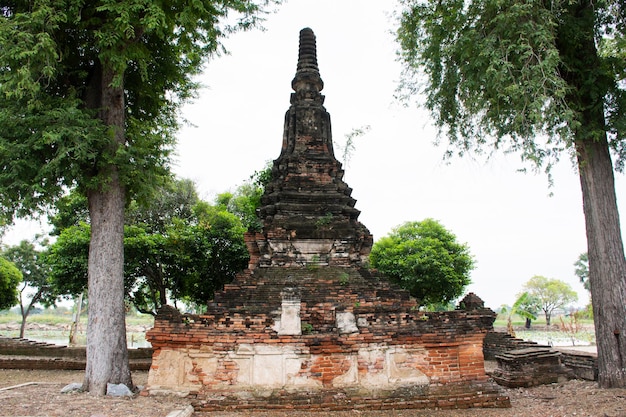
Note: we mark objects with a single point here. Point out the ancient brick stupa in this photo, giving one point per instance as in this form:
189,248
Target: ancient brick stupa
306,325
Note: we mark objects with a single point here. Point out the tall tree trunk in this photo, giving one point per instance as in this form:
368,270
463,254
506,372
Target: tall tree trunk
589,83
107,352
23,324
26,311
74,327
607,267
23,327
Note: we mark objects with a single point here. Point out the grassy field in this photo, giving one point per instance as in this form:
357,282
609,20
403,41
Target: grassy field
563,331
53,326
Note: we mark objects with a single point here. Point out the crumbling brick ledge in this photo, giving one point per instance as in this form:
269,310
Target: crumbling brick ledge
434,397
16,353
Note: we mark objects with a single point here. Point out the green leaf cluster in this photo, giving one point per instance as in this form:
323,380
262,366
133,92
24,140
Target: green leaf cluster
245,201
68,259
10,277
207,255
516,75
31,261
426,259
52,58
176,247
524,306
550,294
582,270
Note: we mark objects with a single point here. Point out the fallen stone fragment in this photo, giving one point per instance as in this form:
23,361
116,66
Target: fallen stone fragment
73,387
118,390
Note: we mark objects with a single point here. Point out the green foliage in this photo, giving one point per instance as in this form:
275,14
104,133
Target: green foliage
67,260
582,270
10,277
426,259
207,255
146,279
347,150
173,200
499,74
29,260
175,246
53,54
550,294
325,220
69,210
306,328
247,199
524,306
32,264
36,287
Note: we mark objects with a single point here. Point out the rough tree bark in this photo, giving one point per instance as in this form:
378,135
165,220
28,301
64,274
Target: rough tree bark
25,310
107,352
607,267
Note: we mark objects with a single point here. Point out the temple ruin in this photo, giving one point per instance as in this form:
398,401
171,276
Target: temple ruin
306,325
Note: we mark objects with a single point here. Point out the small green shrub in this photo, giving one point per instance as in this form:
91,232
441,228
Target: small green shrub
306,328
324,220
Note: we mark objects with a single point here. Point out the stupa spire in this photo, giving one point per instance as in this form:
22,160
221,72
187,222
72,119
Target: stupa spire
307,75
307,210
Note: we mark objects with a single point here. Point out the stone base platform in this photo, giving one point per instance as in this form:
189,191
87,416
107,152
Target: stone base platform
16,353
322,338
530,367
448,396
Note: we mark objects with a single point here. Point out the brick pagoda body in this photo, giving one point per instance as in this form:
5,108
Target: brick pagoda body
306,325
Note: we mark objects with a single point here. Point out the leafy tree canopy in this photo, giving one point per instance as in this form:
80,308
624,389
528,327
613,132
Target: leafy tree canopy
176,247
247,199
550,294
207,255
10,277
68,258
35,288
582,270
52,51
31,262
69,210
494,70
426,259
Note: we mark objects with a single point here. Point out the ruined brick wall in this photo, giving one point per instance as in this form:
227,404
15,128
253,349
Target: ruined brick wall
496,343
584,365
18,353
420,359
441,347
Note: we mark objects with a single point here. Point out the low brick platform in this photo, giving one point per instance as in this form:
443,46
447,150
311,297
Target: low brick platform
391,356
16,353
448,396
584,365
530,367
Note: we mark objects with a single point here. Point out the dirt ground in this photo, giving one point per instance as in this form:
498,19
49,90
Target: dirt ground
40,396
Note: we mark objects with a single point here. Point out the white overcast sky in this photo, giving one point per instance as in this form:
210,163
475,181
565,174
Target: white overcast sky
514,229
